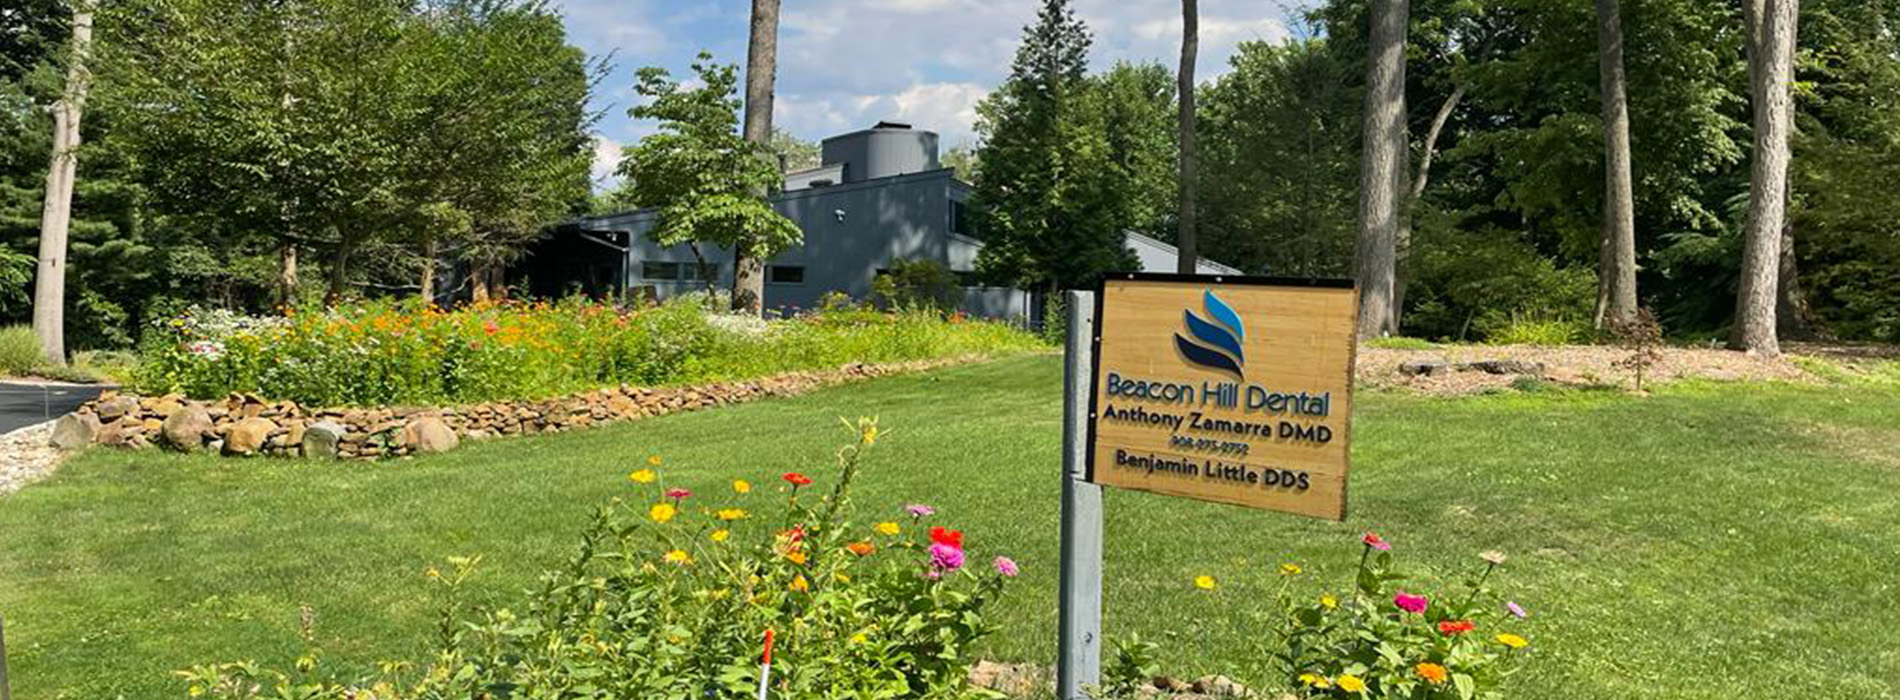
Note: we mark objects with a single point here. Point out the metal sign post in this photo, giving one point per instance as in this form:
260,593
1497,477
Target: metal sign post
1079,632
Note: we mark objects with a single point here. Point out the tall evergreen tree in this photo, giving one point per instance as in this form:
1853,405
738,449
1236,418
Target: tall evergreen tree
1039,192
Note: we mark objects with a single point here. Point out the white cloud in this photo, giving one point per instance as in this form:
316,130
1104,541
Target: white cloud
606,159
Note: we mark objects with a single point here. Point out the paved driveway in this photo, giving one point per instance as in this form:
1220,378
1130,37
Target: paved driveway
23,404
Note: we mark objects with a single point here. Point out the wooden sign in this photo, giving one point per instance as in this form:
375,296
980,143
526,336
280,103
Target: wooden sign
1228,389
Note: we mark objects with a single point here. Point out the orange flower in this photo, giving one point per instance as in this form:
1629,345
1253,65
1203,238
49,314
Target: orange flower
1432,673
861,549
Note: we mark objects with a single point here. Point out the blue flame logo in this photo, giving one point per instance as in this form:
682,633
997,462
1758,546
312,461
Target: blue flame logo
1217,343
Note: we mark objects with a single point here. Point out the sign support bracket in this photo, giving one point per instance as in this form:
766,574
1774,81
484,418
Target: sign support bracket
1079,633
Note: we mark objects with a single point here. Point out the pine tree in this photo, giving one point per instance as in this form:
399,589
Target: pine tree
1047,218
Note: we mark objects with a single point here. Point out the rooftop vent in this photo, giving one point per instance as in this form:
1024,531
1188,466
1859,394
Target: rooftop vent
884,150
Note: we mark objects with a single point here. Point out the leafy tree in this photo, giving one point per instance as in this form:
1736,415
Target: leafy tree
795,153
701,175
1278,164
1049,218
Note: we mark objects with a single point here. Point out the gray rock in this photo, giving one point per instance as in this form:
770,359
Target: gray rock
186,428
320,439
1504,367
1426,368
74,430
429,434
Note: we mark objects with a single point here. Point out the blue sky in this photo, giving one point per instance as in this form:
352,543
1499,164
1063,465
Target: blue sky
845,64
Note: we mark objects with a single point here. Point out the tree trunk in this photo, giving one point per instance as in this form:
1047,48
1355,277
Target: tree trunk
1616,272
1382,170
761,69
1186,244
428,271
1410,209
339,266
287,274
478,282
1771,53
56,217
1794,318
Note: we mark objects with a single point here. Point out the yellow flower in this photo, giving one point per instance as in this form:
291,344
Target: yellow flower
859,638
887,528
1330,602
730,514
721,535
653,460
800,584
842,577
1315,680
679,556
1290,569
796,556
1513,641
662,512
1205,583
433,573
644,476
741,486
1351,684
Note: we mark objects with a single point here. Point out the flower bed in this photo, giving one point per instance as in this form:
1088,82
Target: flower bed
383,354
673,594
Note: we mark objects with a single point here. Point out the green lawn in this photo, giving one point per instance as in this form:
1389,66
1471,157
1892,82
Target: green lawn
1710,541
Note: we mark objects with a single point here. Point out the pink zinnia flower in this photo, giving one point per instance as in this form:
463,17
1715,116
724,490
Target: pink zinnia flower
1007,567
1411,603
678,494
944,557
919,510
1516,609
1374,541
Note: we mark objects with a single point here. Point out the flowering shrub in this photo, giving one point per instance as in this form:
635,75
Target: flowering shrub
673,591
408,353
1386,639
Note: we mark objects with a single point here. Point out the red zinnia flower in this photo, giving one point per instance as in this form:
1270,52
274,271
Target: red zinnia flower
797,479
953,538
1373,540
1451,627
678,494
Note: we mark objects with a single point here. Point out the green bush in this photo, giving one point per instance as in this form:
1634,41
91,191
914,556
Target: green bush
918,285
1532,329
1399,342
1471,285
404,353
19,350
669,598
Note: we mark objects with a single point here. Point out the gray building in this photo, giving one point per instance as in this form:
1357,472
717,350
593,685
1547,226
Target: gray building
879,195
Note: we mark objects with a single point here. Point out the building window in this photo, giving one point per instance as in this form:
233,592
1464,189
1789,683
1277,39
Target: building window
676,271
785,274
960,222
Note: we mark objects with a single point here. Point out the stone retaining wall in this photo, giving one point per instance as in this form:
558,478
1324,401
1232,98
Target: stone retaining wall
243,424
